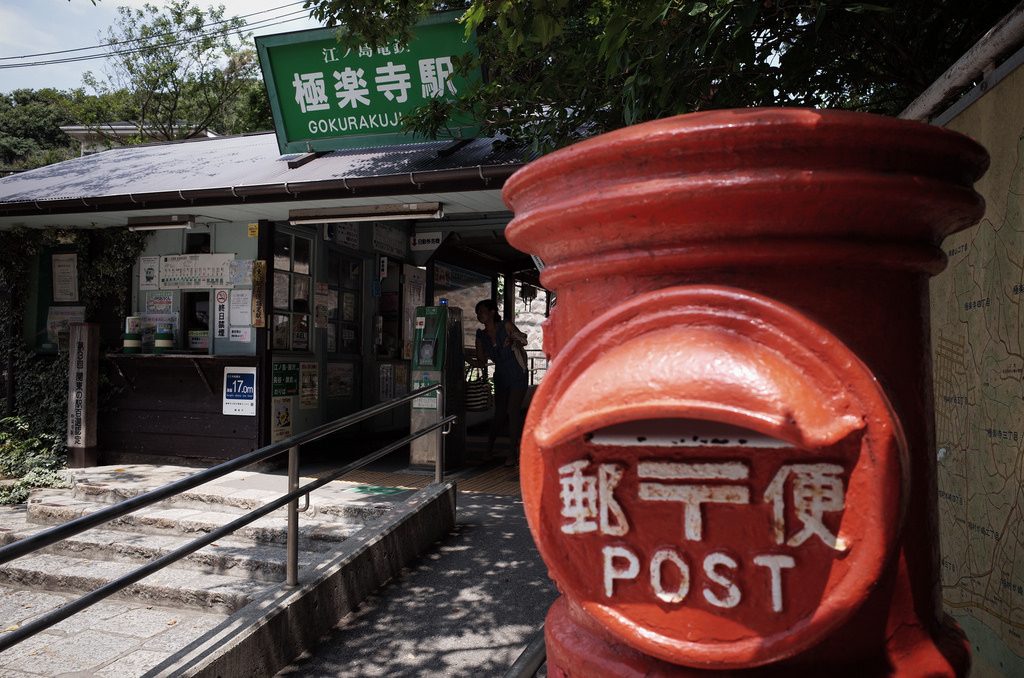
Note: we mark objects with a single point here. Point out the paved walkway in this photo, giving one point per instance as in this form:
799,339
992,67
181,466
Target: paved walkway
115,639
468,609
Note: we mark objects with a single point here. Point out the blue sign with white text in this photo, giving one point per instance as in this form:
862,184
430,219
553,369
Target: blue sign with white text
239,391
240,387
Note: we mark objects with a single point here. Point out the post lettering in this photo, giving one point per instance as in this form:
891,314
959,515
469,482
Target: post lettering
775,565
611,573
733,596
679,594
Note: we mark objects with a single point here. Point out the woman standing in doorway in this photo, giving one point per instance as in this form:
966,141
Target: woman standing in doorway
500,342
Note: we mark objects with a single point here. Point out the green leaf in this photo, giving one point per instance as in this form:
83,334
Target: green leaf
545,28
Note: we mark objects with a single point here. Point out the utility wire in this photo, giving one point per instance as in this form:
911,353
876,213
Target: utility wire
155,35
151,48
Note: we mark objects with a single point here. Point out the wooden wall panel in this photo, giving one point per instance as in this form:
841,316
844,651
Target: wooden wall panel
170,407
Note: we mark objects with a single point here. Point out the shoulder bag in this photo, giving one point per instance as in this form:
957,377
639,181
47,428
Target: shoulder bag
479,395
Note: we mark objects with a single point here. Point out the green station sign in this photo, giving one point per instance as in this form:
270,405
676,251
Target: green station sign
327,95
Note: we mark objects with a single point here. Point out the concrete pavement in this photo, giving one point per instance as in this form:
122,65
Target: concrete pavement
468,608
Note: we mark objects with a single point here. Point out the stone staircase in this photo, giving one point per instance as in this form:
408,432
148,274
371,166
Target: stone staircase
226,578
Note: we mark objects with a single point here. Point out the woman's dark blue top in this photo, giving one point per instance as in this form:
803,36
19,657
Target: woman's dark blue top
507,372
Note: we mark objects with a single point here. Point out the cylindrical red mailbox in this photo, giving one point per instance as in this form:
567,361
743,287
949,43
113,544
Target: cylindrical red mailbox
729,464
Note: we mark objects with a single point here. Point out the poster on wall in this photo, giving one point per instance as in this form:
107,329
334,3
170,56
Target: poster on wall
386,375
259,280
241,308
300,333
340,380
65,277
281,418
195,271
240,272
390,239
149,273
414,294
401,380
239,391
160,302
322,304
59,319
240,334
309,392
346,235
348,307
284,379
220,314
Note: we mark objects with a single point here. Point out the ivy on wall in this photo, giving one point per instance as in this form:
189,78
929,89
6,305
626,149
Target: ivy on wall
38,417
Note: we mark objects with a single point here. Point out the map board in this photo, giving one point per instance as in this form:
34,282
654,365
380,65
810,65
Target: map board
978,354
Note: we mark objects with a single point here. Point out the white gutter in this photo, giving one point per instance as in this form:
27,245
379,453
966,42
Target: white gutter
1000,40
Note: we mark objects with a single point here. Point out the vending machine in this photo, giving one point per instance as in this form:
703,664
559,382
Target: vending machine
438,358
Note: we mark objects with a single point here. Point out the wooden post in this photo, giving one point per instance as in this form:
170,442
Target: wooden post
83,368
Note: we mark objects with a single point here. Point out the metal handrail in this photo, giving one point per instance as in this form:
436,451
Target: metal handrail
73,527
535,355
78,525
530,659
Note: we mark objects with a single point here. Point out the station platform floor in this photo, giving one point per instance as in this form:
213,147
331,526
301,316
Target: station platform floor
491,478
476,474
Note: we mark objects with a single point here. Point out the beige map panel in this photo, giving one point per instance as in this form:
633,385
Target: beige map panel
979,398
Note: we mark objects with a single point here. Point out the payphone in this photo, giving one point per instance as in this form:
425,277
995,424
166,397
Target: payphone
438,358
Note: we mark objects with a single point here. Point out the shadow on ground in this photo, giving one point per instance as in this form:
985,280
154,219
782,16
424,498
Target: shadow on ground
468,608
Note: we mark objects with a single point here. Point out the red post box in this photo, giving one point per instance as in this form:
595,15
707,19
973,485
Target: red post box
730,462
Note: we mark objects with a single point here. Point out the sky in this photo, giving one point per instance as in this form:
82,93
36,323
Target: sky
34,26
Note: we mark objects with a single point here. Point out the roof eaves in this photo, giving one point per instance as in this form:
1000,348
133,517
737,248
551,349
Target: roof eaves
479,177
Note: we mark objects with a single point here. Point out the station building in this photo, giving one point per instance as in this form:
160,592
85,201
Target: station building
307,267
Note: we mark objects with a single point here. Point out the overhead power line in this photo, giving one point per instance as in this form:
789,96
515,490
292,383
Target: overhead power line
155,35
266,23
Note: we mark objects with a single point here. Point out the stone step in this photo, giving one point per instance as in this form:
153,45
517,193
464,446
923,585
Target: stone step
222,496
231,555
154,628
56,507
169,587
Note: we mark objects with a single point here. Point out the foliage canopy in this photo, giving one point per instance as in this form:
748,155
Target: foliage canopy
175,72
557,70
30,123
183,70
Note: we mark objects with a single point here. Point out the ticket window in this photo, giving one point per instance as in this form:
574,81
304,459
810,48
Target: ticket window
198,243
196,317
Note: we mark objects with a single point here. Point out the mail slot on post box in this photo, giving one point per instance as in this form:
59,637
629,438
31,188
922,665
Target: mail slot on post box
728,464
